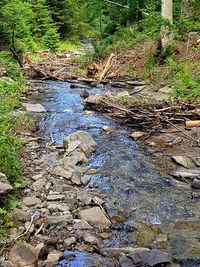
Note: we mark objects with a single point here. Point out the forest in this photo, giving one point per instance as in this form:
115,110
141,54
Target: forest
99,133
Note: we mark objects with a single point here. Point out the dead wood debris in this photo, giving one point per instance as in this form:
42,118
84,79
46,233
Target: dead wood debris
149,117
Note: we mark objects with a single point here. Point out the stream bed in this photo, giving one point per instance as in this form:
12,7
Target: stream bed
148,207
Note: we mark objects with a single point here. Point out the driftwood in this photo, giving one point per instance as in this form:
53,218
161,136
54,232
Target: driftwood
107,67
150,117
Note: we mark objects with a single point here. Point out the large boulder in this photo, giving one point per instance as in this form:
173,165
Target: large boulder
86,143
151,258
22,255
95,216
5,186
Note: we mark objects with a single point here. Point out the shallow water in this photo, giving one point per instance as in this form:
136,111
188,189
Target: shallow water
130,178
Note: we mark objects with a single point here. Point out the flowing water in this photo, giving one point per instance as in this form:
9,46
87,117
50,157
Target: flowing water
139,194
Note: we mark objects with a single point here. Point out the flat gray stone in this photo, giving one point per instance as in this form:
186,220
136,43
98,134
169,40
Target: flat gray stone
36,108
95,216
136,135
61,219
55,197
76,178
81,225
151,258
31,201
87,143
183,161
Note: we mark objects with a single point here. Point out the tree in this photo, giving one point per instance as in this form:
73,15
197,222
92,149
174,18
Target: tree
17,16
167,15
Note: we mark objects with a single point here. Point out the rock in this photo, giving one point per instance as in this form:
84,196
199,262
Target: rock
5,186
87,143
73,146
39,184
53,258
122,94
91,239
85,179
190,174
37,177
108,129
40,251
37,108
27,226
57,207
75,159
69,241
59,219
136,83
151,258
88,112
195,184
60,171
197,161
76,178
95,216
84,93
161,240
81,225
22,255
6,264
55,197
116,252
183,161
136,135
49,159
20,215
31,201
97,200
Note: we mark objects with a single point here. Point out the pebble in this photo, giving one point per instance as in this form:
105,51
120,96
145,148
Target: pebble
195,184
69,241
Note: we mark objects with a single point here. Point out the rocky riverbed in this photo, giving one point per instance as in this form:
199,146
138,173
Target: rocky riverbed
93,194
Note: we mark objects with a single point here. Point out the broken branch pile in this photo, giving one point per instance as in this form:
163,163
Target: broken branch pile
150,117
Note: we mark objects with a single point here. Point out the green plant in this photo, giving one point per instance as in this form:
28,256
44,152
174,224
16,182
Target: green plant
5,221
186,85
51,39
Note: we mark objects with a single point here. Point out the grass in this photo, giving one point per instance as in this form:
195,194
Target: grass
11,86
68,46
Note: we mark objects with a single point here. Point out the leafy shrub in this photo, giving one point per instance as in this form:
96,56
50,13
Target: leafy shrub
51,39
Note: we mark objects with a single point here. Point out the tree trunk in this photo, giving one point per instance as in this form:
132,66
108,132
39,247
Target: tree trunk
167,14
186,9
167,10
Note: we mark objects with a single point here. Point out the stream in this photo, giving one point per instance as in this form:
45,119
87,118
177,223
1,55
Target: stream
149,208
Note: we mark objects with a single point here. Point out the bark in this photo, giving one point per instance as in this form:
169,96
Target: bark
167,10
167,14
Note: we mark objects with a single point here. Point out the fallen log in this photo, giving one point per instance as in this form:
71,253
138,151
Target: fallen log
107,67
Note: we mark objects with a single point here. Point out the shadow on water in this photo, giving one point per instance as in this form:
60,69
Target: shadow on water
129,177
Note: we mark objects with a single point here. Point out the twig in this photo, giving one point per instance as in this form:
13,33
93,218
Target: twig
38,231
187,135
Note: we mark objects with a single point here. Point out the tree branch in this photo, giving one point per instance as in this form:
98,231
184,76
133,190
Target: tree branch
117,4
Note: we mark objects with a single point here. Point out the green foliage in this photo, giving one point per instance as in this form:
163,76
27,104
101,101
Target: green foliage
17,17
5,221
10,88
51,39
186,85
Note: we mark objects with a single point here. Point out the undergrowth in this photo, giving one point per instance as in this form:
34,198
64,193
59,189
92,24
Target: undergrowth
11,85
